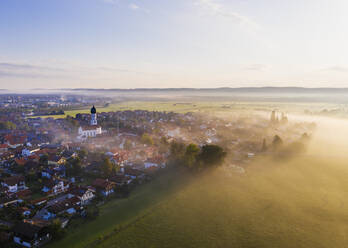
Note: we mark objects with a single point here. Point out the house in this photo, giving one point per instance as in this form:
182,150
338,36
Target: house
31,233
6,201
55,186
24,194
15,140
26,152
85,194
25,211
134,173
56,160
120,180
47,173
60,170
14,183
3,148
20,161
39,202
69,206
150,164
53,159
69,154
104,186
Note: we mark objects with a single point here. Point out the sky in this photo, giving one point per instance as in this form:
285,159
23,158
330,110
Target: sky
169,44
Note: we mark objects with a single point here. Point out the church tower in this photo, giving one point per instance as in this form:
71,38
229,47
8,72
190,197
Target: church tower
94,116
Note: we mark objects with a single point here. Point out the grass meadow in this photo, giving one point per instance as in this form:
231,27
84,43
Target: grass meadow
116,212
299,203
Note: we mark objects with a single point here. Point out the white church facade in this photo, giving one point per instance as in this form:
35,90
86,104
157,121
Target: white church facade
91,130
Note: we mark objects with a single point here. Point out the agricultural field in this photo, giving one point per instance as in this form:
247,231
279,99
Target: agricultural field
298,203
262,208
204,107
118,212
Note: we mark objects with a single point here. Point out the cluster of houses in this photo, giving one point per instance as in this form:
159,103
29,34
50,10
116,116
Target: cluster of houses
58,195
37,188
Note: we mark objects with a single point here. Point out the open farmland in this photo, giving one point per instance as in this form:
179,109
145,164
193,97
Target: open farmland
204,107
301,203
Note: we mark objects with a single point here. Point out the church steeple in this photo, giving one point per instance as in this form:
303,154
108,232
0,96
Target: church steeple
94,116
93,110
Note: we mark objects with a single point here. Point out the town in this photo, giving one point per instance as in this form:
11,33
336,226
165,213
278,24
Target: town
56,169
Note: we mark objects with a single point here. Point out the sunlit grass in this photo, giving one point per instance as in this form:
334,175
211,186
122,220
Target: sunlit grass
302,203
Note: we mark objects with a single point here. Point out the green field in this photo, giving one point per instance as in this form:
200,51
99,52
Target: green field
200,106
293,204
299,203
119,212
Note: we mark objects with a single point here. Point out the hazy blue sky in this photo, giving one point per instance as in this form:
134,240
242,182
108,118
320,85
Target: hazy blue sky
173,43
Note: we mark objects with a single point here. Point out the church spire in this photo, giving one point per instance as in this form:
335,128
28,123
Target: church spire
94,116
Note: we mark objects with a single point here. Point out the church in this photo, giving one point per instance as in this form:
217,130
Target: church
91,130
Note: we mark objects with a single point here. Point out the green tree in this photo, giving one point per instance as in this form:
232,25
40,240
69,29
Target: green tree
106,167
212,155
177,151
43,160
128,144
190,158
75,166
163,145
56,230
147,139
7,125
92,211
82,153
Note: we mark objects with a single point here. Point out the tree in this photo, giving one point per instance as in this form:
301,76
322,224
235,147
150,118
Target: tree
163,141
56,230
7,125
147,139
72,121
277,142
106,167
128,144
43,160
82,153
163,145
177,151
190,157
212,155
92,211
75,167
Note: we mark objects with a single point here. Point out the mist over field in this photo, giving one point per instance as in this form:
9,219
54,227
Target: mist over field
295,202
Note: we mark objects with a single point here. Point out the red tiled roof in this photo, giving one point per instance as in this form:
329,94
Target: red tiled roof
13,180
102,183
21,161
24,193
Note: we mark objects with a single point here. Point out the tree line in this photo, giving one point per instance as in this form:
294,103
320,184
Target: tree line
195,157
